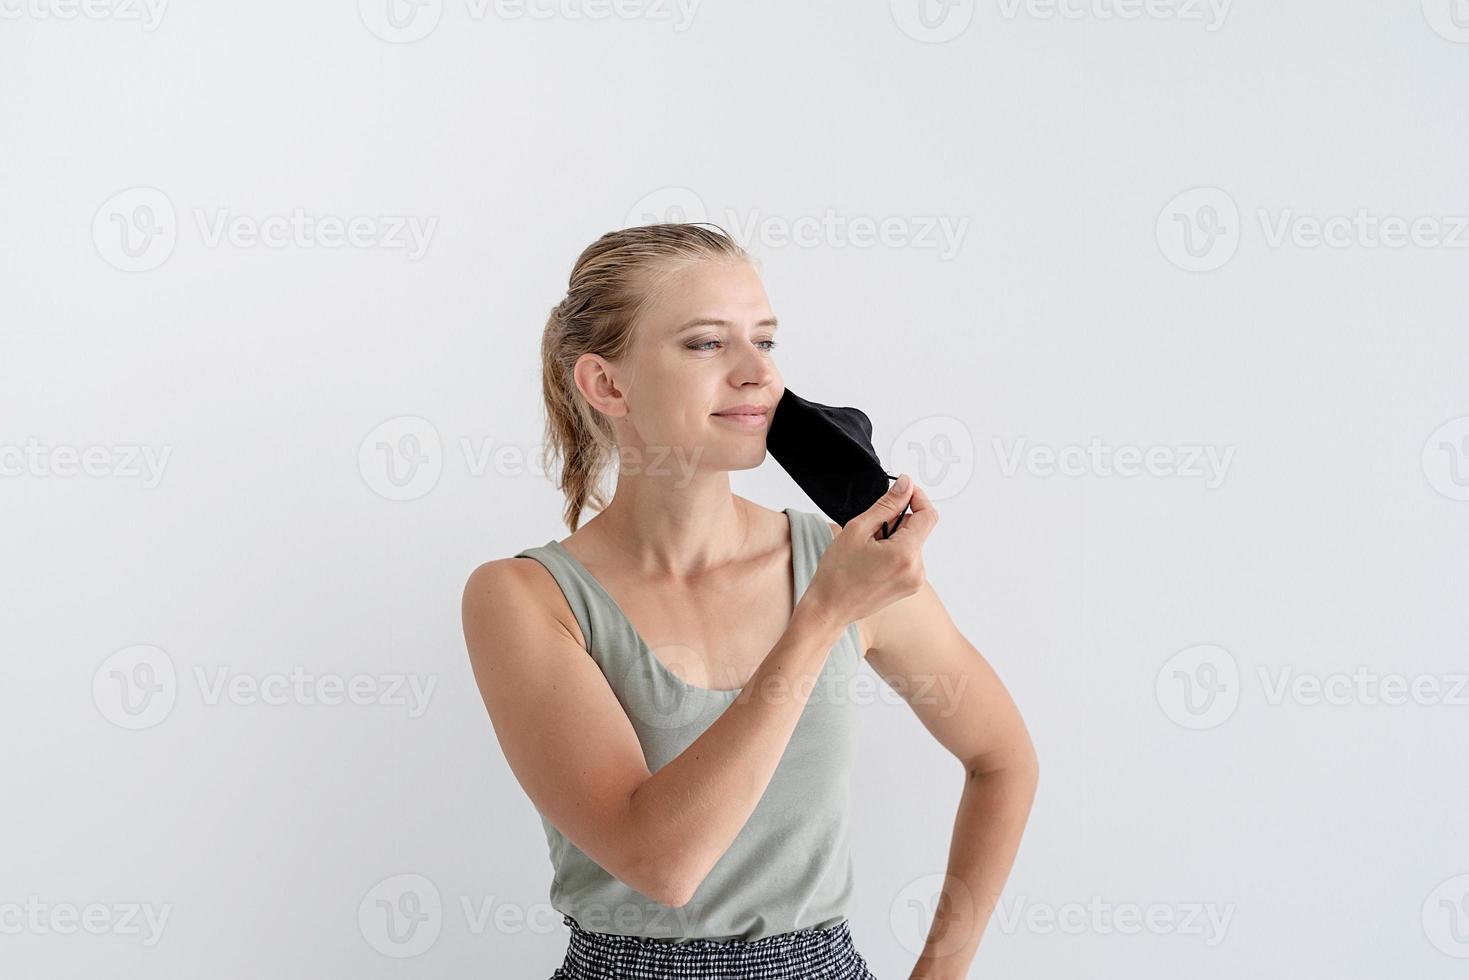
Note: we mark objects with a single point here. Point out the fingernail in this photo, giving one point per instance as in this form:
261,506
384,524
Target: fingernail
902,483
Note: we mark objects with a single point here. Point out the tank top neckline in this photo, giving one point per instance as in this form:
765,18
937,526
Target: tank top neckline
647,651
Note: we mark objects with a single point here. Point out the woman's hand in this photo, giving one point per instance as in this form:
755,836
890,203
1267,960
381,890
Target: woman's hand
861,573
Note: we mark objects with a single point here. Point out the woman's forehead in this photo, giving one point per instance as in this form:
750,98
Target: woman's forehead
728,291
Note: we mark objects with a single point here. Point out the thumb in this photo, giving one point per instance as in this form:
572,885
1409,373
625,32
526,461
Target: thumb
889,505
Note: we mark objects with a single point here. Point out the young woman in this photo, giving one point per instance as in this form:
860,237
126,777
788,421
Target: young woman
671,682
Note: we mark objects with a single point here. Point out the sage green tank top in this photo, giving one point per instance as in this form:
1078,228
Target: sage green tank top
790,867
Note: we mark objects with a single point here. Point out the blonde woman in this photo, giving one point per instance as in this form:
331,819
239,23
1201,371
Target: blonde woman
669,682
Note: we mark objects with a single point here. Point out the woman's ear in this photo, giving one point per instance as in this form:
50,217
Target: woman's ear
594,378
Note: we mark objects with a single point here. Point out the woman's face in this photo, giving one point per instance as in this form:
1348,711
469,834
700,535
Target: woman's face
701,347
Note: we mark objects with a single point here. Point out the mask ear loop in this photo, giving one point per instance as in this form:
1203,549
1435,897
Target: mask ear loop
897,520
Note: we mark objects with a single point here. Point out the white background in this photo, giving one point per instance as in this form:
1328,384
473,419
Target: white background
1145,624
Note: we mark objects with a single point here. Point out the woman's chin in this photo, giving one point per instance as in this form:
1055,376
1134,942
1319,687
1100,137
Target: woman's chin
749,459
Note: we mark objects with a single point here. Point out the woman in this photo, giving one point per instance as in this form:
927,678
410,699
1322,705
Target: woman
692,772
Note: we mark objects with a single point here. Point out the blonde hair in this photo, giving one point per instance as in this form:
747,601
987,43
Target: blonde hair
612,281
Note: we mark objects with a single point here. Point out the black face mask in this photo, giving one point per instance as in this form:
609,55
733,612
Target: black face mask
828,452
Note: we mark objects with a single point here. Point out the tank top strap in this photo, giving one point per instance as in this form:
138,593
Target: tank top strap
809,538
811,534
602,628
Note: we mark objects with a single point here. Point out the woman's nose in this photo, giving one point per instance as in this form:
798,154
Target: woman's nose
755,365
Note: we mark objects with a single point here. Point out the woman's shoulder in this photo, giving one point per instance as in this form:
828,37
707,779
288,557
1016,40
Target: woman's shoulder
517,568
517,591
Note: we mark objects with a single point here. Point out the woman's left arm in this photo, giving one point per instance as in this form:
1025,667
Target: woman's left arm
916,648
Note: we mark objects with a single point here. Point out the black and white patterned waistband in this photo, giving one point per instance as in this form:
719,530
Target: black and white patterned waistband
806,954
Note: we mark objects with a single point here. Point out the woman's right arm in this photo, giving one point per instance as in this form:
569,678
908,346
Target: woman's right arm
573,750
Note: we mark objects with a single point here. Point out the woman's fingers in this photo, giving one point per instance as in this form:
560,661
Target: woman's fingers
921,521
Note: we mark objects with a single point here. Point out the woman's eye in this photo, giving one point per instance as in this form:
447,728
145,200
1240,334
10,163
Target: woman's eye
704,344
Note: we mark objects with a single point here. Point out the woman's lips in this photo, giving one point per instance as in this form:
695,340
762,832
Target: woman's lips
749,421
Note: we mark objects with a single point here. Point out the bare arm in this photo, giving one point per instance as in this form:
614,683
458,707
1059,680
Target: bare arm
575,753
970,713
694,807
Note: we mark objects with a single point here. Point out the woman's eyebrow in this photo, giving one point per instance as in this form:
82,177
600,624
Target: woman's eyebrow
711,322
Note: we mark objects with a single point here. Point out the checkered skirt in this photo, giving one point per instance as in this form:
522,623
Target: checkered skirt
806,954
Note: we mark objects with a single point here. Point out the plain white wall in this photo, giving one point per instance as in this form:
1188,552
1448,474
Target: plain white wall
1025,238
